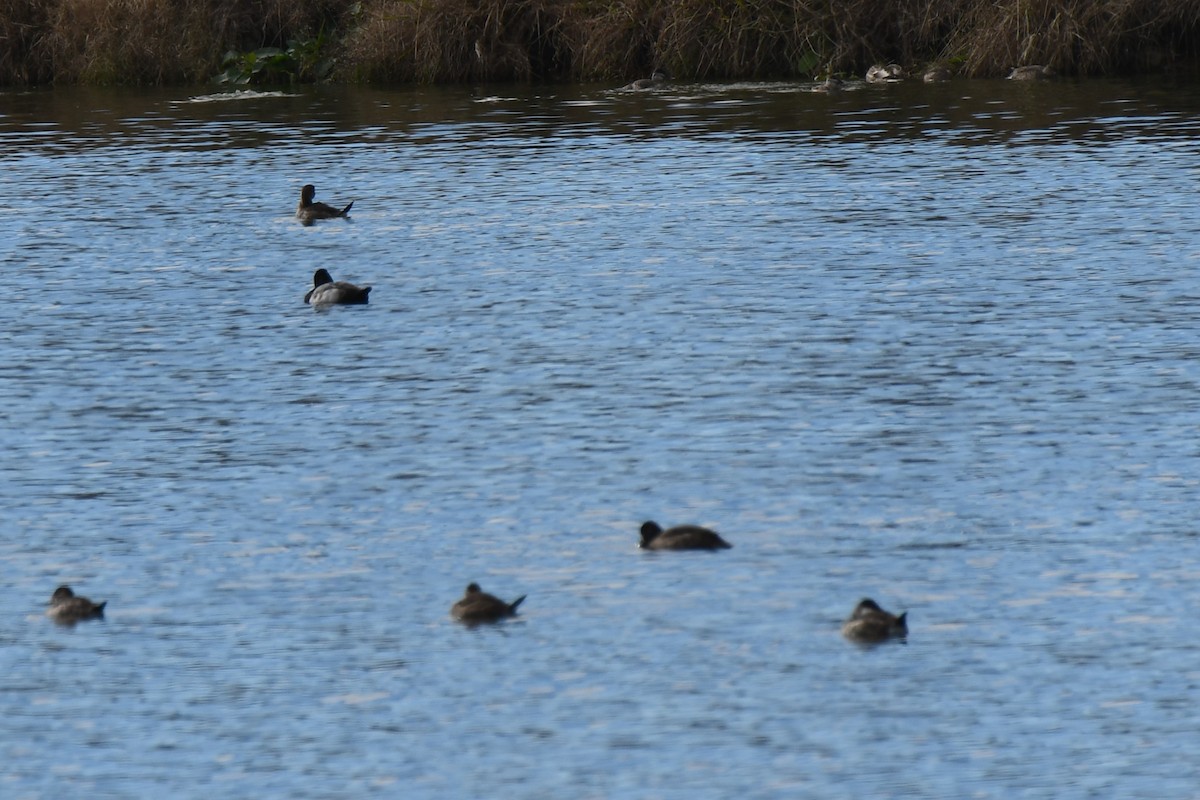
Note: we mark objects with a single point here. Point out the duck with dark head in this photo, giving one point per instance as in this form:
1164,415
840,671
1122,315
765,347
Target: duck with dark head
477,605
67,608
326,291
870,624
309,210
680,537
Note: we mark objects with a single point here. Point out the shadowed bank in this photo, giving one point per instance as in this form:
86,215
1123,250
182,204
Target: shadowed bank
439,41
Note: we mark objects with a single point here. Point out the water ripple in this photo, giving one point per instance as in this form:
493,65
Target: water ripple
933,345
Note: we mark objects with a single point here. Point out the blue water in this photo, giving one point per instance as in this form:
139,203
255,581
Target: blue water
939,346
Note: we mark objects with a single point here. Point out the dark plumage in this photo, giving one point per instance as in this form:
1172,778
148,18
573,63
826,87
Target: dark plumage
326,291
681,537
870,623
67,609
646,83
477,605
308,210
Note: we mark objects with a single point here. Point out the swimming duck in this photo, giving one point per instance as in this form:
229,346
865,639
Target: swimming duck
308,210
938,74
885,73
326,291
477,605
1032,72
681,537
67,609
645,83
870,623
830,85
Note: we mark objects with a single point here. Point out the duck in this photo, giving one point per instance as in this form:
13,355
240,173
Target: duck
681,537
67,608
477,605
870,624
1031,72
830,85
937,74
885,73
308,210
326,291
645,83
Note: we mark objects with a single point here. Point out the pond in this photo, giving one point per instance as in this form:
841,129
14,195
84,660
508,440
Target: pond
938,345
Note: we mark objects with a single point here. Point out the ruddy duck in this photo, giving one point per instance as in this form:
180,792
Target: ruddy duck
870,623
938,74
681,537
1033,72
830,85
646,83
66,608
308,210
479,606
326,291
885,73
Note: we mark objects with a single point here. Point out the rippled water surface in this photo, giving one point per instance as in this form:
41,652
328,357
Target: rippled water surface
935,345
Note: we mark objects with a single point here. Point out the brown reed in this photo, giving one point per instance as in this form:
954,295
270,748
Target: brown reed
428,41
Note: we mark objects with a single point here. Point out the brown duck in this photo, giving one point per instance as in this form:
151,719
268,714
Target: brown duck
870,623
1031,72
659,76
308,210
681,537
477,605
67,608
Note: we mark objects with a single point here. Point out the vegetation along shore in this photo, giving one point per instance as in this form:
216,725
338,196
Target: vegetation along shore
441,41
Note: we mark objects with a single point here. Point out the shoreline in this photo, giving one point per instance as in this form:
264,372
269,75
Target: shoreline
158,43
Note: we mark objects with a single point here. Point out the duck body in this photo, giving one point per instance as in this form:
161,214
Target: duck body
937,74
830,85
1031,72
681,537
309,210
67,608
885,73
326,291
647,83
871,624
477,605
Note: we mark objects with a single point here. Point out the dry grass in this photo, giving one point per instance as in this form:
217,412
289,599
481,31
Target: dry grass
111,41
457,40
23,57
1082,37
144,41
162,41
